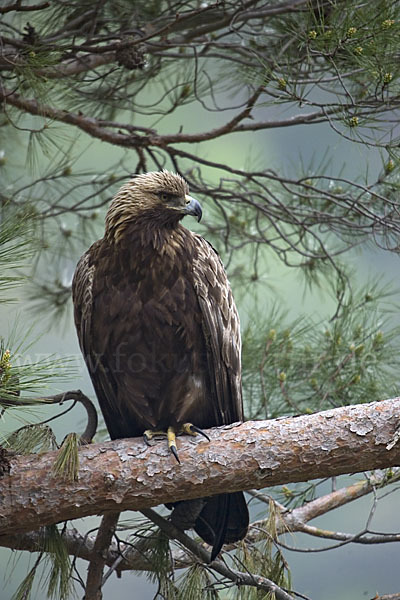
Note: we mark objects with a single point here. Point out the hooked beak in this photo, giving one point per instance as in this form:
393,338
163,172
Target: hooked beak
193,207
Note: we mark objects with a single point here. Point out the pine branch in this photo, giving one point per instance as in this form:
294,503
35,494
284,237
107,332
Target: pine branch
98,561
296,520
19,7
98,129
129,557
9,60
88,124
238,577
124,475
132,556
76,395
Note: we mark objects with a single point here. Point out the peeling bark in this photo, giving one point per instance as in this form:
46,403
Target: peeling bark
126,475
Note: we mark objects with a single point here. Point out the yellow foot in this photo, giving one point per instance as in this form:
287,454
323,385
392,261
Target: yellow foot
171,434
149,434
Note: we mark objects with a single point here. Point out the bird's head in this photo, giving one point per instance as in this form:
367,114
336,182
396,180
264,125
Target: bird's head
159,198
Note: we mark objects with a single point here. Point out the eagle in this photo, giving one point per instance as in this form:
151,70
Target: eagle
159,331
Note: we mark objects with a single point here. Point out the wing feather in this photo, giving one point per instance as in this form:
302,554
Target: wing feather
221,328
97,360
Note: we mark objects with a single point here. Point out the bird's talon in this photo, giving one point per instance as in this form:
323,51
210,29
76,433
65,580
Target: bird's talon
172,442
147,437
171,433
191,429
149,434
174,451
198,430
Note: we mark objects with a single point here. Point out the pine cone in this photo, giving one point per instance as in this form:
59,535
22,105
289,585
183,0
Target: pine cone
131,57
4,462
30,36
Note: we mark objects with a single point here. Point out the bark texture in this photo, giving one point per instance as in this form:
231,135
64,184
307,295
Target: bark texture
125,474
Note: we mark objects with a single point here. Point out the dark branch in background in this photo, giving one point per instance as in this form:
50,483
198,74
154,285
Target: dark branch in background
87,124
197,23
98,128
104,536
237,577
19,7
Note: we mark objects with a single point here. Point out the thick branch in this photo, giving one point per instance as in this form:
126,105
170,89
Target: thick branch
132,556
124,474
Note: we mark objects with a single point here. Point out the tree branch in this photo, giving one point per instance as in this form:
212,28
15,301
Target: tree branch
18,7
297,518
130,556
99,129
76,395
87,124
125,475
238,577
76,66
99,556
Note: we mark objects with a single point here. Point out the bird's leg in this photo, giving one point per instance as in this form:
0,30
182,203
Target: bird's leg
171,434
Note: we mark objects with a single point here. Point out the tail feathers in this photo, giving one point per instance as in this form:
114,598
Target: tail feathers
218,520
212,523
223,520
185,513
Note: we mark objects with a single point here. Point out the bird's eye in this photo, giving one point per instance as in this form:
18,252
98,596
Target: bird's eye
165,197
168,198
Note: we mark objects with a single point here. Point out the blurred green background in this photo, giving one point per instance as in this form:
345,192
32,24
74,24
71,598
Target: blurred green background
352,571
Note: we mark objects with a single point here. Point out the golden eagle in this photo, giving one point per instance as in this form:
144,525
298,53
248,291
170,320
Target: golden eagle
159,331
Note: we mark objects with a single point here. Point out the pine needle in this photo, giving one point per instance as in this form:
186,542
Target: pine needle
32,438
24,590
66,464
59,582
196,583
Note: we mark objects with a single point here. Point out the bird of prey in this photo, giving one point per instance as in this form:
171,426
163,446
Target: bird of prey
159,331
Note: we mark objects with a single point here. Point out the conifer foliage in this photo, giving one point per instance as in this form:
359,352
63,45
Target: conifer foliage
93,91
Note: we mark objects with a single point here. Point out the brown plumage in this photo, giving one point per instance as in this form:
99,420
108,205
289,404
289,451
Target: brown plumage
159,331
